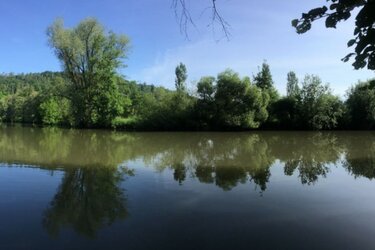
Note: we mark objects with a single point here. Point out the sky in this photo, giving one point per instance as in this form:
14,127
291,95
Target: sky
260,30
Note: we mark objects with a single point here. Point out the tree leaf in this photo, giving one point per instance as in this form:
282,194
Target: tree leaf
294,22
331,21
351,42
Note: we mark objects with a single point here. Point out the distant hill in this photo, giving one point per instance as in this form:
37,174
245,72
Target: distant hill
11,83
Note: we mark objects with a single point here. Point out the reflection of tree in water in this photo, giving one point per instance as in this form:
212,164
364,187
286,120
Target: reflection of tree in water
361,167
249,158
310,155
228,177
309,171
223,159
261,178
224,177
226,163
179,173
360,155
87,199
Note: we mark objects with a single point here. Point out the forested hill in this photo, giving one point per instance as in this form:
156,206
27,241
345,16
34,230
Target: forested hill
44,81
11,83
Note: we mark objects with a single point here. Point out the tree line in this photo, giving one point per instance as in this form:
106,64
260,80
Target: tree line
225,102
90,93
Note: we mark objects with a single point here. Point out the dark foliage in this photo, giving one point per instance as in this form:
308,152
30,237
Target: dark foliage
336,11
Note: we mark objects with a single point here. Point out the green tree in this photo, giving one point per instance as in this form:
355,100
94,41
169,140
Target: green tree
318,108
11,107
330,111
205,108
285,112
165,110
181,76
55,111
20,107
50,112
364,32
292,88
361,105
90,57
206,88
263,79
239,104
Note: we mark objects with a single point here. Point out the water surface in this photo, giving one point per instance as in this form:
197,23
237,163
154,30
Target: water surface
88,189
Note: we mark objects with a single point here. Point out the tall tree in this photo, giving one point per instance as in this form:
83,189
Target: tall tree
90,57
263,79
292,88
205,105
181,76
364,31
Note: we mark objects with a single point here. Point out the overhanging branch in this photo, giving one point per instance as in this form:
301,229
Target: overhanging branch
184,17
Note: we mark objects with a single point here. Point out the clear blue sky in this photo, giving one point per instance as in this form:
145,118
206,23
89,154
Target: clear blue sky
259,30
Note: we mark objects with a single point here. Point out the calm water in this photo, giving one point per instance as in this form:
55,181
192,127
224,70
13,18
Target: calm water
71,189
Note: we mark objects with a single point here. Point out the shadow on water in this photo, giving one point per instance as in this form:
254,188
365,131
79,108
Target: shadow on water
90,197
